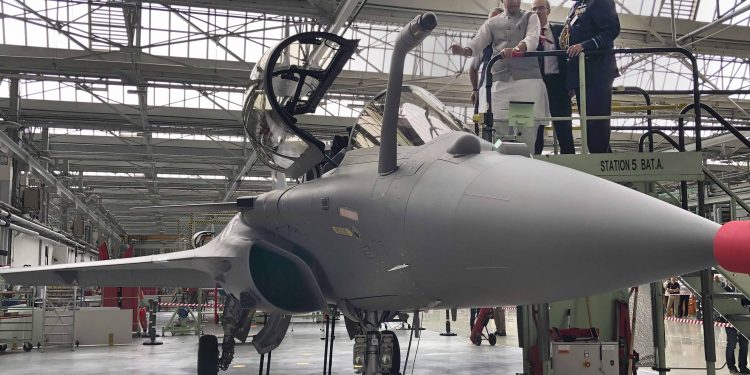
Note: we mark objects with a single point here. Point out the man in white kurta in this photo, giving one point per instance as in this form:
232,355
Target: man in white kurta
477,73
514,79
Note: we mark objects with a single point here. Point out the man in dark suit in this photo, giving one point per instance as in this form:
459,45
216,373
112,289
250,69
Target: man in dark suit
593,25
553,73
733,337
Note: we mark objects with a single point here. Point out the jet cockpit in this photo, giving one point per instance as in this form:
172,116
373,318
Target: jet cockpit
291,79
300,71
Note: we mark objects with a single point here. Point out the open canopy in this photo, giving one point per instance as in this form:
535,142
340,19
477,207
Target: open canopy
291,79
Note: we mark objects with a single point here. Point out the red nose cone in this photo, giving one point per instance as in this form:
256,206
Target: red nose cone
732,246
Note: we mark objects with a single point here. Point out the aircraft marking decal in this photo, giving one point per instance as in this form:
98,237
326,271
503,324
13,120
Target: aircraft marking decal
349,214
343,231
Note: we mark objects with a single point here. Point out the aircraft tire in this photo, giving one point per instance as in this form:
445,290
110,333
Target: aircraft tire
208,355
396,367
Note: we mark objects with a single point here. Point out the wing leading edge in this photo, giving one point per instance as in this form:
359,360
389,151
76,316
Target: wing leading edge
181,269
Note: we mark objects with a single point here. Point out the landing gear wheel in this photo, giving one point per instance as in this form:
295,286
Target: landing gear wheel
208,355
27,347
492,339
476,339
396,358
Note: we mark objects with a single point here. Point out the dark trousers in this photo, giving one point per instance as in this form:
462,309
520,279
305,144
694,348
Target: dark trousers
682,307
598,103
559,106
732,339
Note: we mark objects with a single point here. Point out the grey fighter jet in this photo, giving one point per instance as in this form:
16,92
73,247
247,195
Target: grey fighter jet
420,215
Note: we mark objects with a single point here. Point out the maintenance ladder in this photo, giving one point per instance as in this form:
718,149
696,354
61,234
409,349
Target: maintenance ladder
58,317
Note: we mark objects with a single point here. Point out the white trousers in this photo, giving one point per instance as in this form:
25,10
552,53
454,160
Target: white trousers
525,90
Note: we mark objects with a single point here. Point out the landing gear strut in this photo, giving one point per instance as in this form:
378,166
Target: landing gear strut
376,352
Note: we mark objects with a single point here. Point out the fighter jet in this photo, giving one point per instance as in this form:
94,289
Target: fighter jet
417,214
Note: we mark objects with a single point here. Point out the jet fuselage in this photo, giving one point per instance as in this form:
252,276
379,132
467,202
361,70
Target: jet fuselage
476,230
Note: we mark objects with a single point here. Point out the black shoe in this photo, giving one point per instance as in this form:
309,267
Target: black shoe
499,333
733,370
744,370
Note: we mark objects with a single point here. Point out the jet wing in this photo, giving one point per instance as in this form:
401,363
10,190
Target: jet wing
188,208
180,269
240,204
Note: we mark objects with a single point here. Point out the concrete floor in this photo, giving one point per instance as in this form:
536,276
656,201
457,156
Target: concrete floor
302,352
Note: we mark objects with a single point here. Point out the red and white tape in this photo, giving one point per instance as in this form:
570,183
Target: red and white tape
190,305
695,321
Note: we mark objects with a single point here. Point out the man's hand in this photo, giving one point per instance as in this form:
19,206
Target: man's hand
574,50
455,49
473,96
506,53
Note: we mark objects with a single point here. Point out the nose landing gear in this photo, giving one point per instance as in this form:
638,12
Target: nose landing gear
376,352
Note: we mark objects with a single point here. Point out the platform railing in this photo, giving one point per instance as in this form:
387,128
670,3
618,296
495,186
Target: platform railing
488,122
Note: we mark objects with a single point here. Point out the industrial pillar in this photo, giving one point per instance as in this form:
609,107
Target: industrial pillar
543,339
64,207
525,324
6,189
44,189
657,318
707,303
9,171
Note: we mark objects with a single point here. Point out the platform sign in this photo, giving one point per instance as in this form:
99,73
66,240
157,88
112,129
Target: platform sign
635,166
521,114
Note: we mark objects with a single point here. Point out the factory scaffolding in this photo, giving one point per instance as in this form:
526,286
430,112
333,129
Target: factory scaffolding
16,320
58,317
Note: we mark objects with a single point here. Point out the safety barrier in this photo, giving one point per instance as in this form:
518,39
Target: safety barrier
695,321
190,305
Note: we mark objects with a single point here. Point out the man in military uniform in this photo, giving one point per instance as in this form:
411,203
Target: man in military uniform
593,25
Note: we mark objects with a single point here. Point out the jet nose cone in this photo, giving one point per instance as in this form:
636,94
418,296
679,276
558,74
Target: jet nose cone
732,246
572,223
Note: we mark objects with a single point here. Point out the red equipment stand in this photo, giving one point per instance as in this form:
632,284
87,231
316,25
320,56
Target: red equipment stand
479,332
